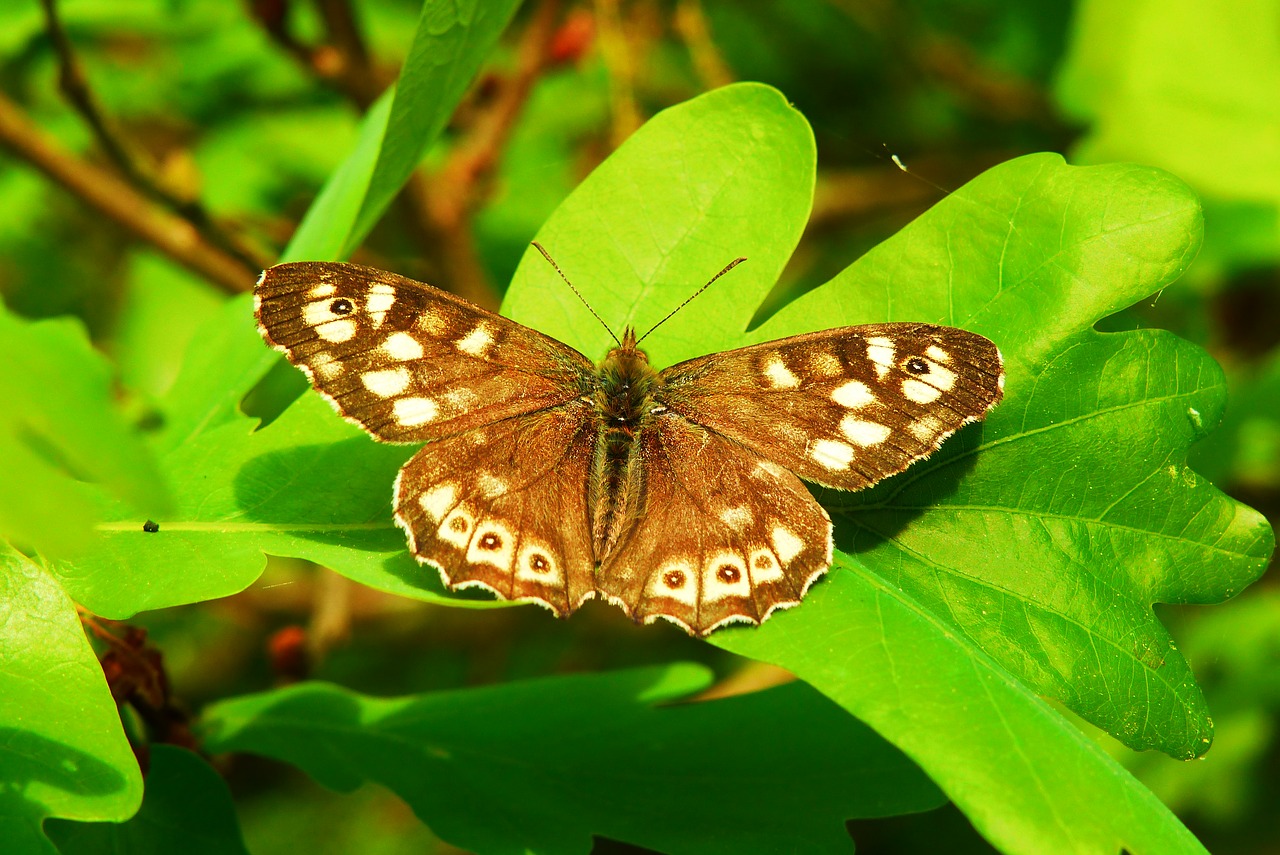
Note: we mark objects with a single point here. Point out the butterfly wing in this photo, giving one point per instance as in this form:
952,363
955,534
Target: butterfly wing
405,361
844,407
722,535
504,507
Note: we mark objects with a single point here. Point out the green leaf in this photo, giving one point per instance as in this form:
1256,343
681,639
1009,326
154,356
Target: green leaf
65,753
186,808
541,766
1039,539
452,41
242,492
59,425
1191,93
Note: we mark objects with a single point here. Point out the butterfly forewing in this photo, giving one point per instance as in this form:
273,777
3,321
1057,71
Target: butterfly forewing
723,535
844,407
406,361
504,507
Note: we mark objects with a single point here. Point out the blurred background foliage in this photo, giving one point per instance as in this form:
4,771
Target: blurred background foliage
226,117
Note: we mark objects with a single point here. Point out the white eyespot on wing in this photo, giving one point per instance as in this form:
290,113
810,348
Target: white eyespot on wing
325,366
337,331
676,580
478,341
785,543
925,429
853,395
880,351
737,518
725,575
438,500
411,412
491,485
765,567
492,544
831,454
324,289
937,354
779,375
920,392
385,383
864,433
402,347
457,527
535,563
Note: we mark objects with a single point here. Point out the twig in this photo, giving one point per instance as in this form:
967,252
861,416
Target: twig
691,24
114,198
617,60
75,86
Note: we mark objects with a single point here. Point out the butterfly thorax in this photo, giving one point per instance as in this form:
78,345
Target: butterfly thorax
624,398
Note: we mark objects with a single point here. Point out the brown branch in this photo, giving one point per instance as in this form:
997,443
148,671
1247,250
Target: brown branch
616,54
691,25
120,202
132,163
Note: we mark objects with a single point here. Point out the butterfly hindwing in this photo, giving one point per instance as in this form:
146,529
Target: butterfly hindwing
504,507
405,361
844,407
722,536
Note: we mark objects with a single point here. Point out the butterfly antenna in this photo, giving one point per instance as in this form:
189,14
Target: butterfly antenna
552,262
727,268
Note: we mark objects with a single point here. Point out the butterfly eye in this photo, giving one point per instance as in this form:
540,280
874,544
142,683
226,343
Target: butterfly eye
341,306
916,365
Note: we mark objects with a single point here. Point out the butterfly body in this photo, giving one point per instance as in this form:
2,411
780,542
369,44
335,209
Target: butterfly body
675,494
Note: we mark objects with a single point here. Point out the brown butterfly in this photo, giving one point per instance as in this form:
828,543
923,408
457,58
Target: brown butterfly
673,494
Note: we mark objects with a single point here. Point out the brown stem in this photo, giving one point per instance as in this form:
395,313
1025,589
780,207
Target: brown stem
133,164
117,200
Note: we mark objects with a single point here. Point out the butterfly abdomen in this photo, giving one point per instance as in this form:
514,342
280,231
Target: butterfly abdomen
623,398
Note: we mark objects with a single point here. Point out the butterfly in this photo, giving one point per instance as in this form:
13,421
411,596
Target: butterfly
675,494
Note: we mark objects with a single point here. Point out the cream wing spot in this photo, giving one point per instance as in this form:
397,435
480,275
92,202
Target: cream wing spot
535,563
676,580
324,289
824,364
433,322
457,527
853,395
736,518
325,366
779,375
411,412
785,544
478,341
765,567
767,469
864,433
725,575
438,500
925,429
938,354
491,485
920,392
880,351
492,544
386,383
402,347
831,454
337,331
